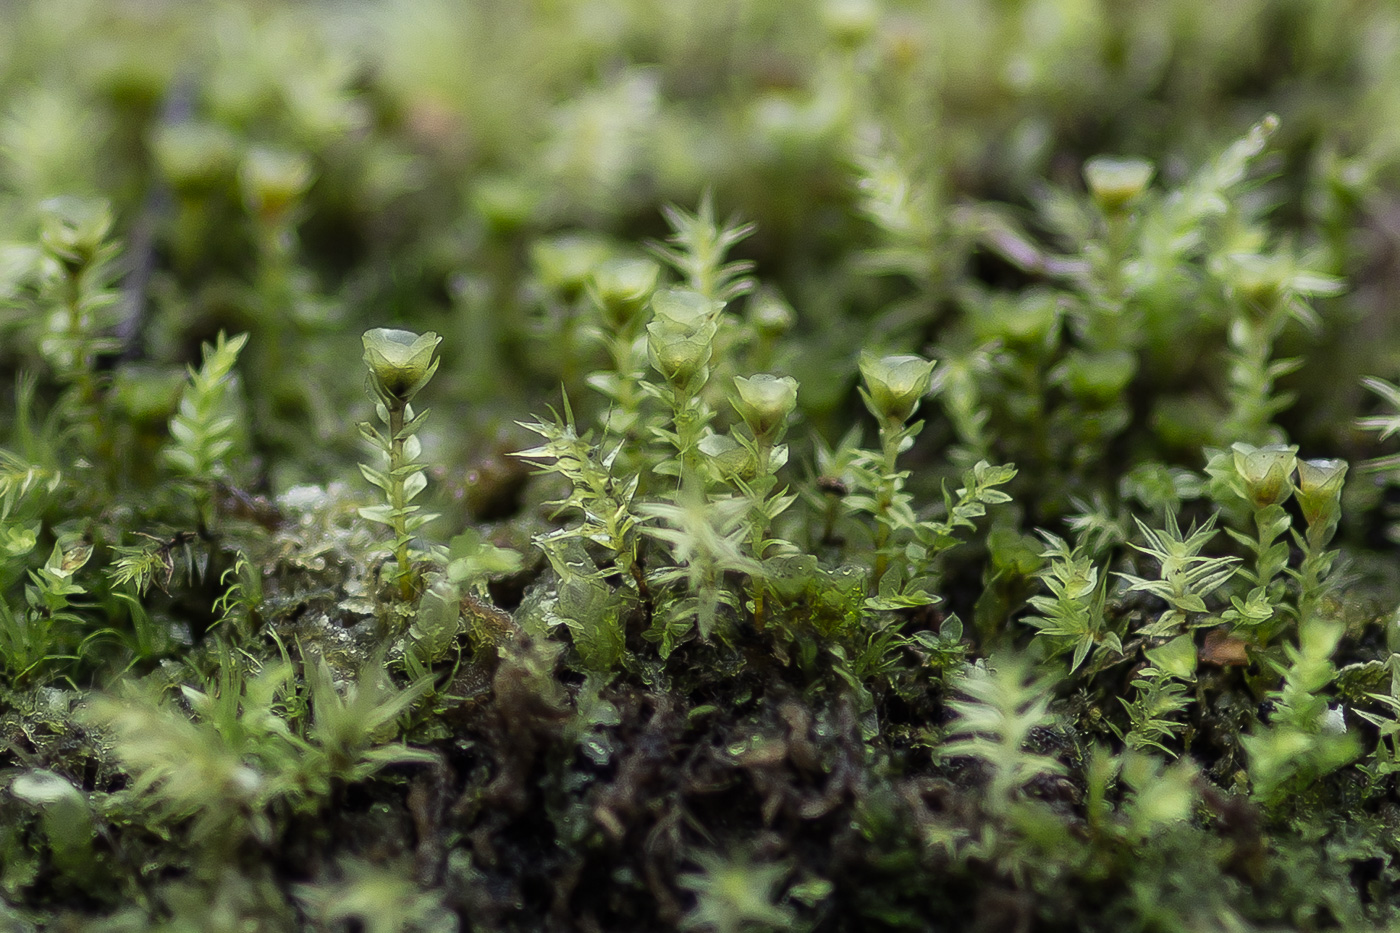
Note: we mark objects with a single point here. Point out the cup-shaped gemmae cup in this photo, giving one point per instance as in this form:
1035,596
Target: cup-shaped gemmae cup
622,288
895,384
1115,183
1320,488
679,352
400,362
764,401
680,337
273,180
1267,472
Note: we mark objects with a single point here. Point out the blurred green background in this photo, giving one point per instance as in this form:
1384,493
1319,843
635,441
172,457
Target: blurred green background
304,171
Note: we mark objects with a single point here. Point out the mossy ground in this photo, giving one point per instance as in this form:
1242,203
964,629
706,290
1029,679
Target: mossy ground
828,465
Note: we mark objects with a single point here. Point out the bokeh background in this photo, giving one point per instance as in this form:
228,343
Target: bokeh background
302,171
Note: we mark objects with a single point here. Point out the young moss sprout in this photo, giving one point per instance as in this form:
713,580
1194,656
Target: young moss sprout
680,342
1113,317
564,266
769,318
620,289
1117,183
1319,492
73,230
82,307
1266,475
204,431
273,183
1319,495
400,364
764,402
679,338
893,388
1267,472
1268,290
564,263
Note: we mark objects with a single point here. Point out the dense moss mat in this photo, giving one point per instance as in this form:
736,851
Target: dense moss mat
728,465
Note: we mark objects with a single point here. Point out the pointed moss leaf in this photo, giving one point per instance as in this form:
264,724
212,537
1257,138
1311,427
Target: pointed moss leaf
1177,657
471,558
383,514
414,484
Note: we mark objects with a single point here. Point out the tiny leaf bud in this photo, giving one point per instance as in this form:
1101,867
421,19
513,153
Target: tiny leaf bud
72,229
895,384
771,315
1320,489
727,455
564,263
273,181
400,361
1116,183
622,287
1267,472
678,351
684,306
764,402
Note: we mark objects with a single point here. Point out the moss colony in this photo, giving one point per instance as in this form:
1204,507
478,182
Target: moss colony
720,465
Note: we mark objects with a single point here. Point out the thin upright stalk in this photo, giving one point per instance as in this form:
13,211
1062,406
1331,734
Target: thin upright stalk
398,501
890,437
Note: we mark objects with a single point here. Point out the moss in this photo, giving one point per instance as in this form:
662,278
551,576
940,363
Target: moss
867,487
